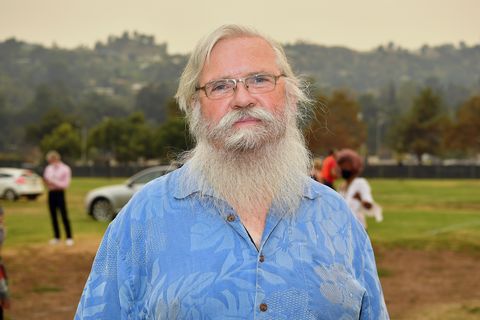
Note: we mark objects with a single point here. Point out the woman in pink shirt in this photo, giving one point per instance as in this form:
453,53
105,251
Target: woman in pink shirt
57,176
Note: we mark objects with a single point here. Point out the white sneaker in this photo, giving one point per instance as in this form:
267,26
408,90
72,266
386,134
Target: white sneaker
54,241
69,242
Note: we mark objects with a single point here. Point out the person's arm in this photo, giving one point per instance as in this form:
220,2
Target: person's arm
364,194
107,292
62,181
365,204
47,177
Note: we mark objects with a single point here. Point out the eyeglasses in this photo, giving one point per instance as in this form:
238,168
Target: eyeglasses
224,88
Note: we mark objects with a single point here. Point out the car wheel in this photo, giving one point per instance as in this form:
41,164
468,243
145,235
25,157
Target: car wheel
102,210
32,197
10,195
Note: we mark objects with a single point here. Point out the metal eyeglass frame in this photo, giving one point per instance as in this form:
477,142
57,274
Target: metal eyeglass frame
236,81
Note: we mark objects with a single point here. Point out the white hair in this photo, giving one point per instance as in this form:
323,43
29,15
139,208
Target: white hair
186,94
250,168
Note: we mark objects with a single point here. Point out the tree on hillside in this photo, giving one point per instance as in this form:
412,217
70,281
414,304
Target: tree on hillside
124,139
336,124
374,117
94,107
465,135
51,119
152,101
4,123
103,138
65,139
172,138
136,139
421,130
46,98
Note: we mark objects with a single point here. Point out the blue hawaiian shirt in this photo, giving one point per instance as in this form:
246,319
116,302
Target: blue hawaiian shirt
170,254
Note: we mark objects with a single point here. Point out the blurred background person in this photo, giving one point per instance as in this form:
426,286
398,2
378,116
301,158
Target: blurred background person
4,297
330,170
356,190
316,173
57,176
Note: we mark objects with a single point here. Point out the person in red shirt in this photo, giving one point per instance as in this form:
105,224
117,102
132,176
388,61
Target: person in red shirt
330,169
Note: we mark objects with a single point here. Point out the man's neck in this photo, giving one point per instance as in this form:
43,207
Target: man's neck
254,223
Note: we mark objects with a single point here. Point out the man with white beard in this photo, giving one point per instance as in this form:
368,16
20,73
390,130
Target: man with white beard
240,231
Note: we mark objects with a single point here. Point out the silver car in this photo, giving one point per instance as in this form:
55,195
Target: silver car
104,203
16,183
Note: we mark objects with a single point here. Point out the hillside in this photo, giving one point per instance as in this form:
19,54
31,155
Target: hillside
122,65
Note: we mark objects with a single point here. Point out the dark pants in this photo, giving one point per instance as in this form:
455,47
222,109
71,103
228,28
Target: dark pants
56,200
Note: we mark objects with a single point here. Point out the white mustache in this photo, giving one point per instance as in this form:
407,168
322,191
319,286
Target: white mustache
234,116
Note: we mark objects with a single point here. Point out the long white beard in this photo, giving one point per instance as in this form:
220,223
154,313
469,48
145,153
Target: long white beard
251,168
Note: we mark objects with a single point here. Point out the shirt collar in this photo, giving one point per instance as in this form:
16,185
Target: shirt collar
188,184
310,191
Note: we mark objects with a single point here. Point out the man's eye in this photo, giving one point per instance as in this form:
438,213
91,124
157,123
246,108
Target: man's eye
220,86
261,79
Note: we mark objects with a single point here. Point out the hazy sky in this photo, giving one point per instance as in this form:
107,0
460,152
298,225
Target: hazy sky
358,24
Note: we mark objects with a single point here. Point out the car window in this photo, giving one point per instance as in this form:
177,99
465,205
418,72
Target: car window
148,177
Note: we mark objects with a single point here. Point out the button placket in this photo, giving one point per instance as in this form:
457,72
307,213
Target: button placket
260,293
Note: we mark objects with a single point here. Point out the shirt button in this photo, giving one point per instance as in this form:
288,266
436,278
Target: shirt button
261,258
263,307
231,218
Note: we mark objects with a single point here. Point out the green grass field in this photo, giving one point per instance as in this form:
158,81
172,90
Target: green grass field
442,214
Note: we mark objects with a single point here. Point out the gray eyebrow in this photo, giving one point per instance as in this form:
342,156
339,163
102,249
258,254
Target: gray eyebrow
246,76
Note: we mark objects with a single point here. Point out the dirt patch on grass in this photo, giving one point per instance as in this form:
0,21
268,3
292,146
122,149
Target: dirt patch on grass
46,281
418,284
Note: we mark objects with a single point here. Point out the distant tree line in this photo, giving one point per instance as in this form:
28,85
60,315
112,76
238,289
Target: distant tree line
114,102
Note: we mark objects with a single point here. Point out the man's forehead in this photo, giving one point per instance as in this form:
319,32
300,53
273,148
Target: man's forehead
245,41
240,56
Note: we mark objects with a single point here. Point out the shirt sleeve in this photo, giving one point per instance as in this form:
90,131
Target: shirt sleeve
365,191
64,179
373,303
106,293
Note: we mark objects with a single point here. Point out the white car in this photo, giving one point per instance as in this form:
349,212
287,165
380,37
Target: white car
104,203
16,183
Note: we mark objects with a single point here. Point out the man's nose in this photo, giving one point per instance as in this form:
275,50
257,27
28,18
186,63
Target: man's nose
242,97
